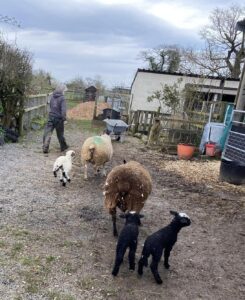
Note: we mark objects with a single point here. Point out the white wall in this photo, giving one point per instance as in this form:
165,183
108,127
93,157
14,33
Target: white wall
146,83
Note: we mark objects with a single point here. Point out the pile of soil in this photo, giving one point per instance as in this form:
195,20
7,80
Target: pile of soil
85,111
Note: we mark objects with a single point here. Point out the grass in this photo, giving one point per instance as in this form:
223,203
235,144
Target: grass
72,103
2,244
87,125
17,247
35,276
59,296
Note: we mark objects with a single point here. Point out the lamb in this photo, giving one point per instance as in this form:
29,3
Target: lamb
164,238
96,150
127,187
64,165
128,238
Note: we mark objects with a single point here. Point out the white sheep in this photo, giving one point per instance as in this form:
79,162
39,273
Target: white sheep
64,165
96,150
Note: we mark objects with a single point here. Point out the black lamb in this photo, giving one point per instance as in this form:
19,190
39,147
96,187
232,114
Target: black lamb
164,238
128,238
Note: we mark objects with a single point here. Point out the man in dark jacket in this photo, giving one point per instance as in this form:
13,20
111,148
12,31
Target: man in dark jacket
56,118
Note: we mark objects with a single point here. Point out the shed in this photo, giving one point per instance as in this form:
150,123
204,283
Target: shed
90,93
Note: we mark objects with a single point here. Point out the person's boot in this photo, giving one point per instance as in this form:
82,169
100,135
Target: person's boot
45,149
64,147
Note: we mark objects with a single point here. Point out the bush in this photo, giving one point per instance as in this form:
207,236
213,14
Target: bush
15,77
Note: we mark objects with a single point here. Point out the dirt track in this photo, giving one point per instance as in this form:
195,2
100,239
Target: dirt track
57,243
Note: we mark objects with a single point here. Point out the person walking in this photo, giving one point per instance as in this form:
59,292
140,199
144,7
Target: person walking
56,119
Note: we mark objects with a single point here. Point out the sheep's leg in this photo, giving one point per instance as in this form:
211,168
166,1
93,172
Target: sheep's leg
61,176
96,170
154,270
118,261
131,255
166,257
65,175
103,171
143,262
114,219
85,171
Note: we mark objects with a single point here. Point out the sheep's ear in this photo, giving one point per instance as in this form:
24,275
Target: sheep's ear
141,216
173,212
123,216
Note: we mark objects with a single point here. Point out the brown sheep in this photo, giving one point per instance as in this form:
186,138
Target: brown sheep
127,187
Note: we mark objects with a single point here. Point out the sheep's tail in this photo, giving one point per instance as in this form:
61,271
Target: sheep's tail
56,169
91,150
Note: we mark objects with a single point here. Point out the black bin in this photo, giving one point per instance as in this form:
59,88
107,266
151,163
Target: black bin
232,172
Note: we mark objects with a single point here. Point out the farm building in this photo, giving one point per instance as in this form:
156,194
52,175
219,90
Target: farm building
209,88
90,93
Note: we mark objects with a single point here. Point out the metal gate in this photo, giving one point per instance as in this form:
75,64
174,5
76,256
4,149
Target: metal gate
234,149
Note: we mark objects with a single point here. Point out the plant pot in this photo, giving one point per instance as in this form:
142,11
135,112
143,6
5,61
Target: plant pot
185,151
210,149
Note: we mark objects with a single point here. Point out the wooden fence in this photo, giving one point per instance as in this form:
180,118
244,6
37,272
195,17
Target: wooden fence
36,106
173,130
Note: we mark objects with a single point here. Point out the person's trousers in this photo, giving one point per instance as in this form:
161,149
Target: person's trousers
58,125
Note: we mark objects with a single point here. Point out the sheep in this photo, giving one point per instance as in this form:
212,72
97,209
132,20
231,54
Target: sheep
128,238
164,238
127,187
64,165
96,150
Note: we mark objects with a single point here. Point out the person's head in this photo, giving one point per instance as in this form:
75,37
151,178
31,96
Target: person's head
60,88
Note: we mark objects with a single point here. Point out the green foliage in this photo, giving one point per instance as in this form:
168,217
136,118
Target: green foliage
169,95
15,77
41,83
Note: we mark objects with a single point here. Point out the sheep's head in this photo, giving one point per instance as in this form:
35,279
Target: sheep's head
182,218
70,153
132,217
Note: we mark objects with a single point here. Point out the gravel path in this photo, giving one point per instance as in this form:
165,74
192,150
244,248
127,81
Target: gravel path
57,243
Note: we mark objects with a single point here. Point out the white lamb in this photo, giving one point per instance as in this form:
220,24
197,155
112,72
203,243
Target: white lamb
96,150
64,165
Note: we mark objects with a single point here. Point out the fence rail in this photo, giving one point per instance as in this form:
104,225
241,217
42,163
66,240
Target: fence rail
35,106
174,130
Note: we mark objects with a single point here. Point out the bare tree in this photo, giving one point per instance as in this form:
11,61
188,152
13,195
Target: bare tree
9,20
224,45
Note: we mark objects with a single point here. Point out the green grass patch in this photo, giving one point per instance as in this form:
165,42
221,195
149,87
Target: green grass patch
19,232
35,275
72,103
59,296
17,247
50,259
31,261
2,244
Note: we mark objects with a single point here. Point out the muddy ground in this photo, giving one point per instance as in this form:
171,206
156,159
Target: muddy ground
57,243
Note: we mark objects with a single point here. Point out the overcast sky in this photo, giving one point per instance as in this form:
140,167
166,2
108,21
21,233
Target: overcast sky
71,38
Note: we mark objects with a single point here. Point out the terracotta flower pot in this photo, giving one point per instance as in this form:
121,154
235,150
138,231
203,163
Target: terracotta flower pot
185,151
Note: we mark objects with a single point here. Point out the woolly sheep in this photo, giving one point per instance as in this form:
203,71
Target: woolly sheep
64,165
128,238
164,238
127,187
96,150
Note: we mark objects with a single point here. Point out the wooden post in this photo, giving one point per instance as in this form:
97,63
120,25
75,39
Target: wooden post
95,108
155,131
